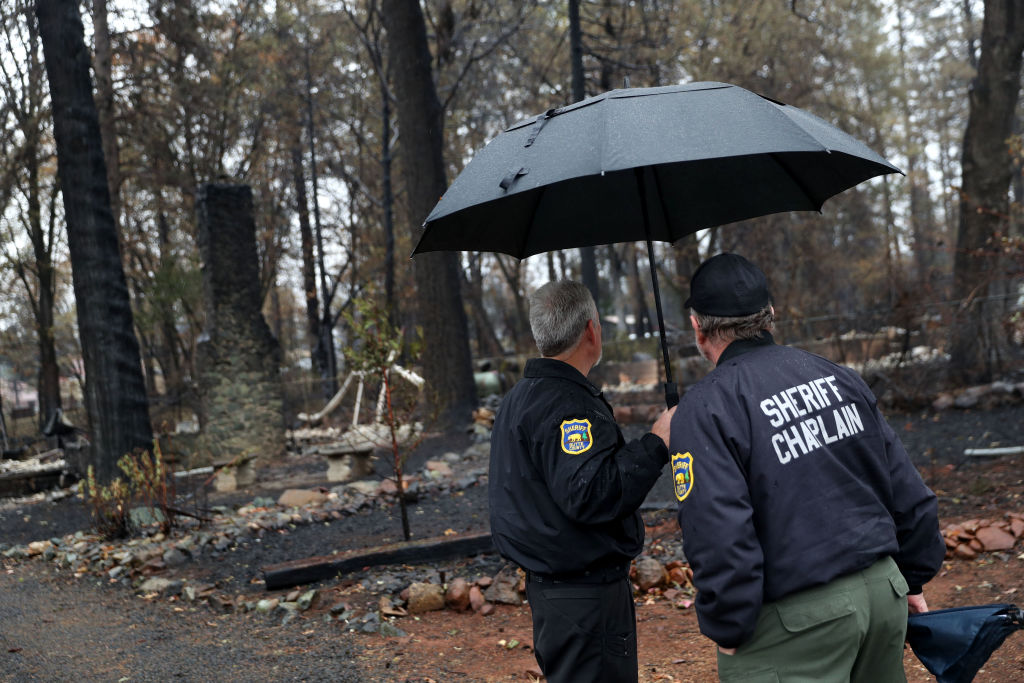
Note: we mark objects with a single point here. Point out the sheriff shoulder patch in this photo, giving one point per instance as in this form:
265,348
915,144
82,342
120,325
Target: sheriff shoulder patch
682,475
576,436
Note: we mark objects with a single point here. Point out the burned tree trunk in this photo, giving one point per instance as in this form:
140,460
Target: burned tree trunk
115,393
241,406
446,358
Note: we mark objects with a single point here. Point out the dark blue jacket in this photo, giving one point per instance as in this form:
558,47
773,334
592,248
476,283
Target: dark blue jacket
565,487
789,477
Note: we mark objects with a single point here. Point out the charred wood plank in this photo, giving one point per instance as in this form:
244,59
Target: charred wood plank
17,484
309,570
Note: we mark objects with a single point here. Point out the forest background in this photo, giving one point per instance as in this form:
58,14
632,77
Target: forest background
347,120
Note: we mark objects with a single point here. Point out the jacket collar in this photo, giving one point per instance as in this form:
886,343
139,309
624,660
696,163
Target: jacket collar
741,346
549,367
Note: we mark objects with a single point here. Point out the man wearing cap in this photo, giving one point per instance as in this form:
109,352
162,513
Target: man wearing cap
809,531
565,488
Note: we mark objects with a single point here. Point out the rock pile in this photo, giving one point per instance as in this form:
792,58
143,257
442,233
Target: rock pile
966,539
135,562
651,580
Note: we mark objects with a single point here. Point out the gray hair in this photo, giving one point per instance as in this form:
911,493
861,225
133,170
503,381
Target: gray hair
559,312
742,327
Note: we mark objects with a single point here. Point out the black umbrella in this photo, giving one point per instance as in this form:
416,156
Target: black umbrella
644,164
954,643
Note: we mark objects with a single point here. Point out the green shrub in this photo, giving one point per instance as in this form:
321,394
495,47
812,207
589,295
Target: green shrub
148,482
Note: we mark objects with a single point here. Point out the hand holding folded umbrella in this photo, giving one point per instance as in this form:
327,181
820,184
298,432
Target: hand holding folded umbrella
953,644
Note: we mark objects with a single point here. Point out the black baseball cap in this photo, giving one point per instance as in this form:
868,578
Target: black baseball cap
729,286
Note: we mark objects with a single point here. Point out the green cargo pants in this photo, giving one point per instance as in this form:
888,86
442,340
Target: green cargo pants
851,629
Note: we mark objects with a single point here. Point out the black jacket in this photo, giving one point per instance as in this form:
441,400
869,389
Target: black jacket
565,487
788,477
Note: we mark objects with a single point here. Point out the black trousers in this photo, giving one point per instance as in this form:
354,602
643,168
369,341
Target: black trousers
584,632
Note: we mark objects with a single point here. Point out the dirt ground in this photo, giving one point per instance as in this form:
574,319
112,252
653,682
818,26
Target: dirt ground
42,614
445,646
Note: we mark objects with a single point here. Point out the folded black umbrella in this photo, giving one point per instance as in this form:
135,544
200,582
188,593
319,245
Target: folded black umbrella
953,644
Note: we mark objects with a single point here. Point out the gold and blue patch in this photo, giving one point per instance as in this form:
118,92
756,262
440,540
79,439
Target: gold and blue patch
682,475
576,436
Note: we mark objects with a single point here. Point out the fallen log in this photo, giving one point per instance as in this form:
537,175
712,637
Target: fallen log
297,572
27,482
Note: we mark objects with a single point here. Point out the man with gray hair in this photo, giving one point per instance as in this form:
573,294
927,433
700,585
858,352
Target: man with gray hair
565,492
808,529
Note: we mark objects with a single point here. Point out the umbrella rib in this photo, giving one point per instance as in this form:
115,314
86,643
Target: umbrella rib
797,181
533,221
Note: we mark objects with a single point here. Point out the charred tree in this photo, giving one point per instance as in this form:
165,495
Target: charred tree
308,264
588,259
978,340
115,392
446,359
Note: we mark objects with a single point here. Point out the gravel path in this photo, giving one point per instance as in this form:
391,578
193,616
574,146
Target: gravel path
54,628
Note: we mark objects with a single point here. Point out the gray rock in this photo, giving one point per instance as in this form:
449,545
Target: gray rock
174,558
146,516
505,588
364,487
157,584
305,600
650,573
288,610
370,623
18,552
267,605
389,630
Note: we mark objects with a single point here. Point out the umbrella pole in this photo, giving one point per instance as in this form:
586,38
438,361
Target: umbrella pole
671,390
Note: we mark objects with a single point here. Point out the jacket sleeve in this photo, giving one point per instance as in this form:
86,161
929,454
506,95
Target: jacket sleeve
716,517
915,513
606,481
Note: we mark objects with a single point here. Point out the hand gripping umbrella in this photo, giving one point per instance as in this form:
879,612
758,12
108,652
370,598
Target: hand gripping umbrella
644,164
953,644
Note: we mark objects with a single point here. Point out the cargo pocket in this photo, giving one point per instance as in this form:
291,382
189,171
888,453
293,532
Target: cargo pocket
804,615
620,644
899,585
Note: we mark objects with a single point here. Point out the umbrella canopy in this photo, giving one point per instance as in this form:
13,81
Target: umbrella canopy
686,157
644,164
955,643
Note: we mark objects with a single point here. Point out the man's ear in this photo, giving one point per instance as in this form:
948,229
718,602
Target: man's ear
701,337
